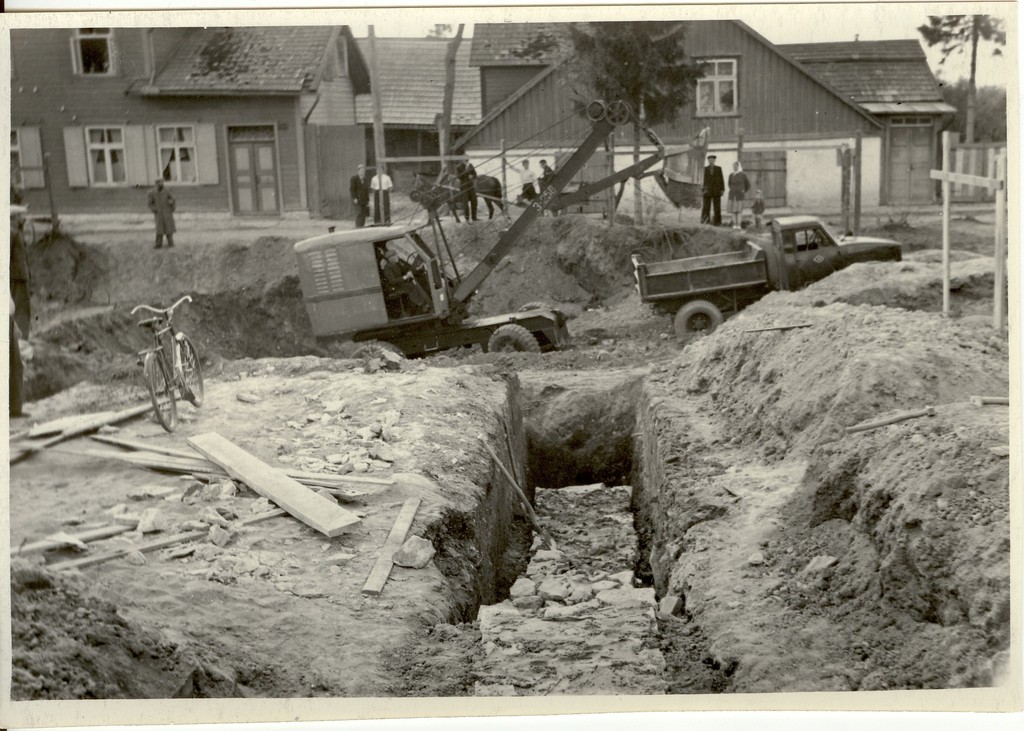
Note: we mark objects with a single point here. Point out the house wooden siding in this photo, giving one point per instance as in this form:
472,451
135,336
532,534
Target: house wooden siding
336,105
51,106
498,83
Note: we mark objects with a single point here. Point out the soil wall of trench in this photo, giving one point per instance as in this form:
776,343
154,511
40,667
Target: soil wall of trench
813,559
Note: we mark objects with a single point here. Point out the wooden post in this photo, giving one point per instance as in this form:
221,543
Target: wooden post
947,146
844,159
858,148
48,182
504,181
610,196
999,291
378,116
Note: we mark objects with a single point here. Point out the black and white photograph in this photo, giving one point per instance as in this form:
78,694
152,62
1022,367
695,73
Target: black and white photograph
431,361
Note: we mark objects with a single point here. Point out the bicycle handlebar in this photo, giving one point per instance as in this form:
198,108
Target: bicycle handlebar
166,312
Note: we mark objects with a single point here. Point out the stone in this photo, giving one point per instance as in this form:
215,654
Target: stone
625,578
580,592
337,558
415,553
337,458
149,491
599,586
262,505
528,602
756,559
670,605
190,525
333,407
554,588
180,551
151,521
218,536
1000,451
135,558
247,397
522,588
576,611
548,555
627,597
212,517
819,563
382,452
942,503
228,489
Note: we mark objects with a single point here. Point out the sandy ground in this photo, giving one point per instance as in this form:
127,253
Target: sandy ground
735,446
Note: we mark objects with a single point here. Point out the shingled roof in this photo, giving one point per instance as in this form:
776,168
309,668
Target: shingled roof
871,71
257,60
411,78
516,44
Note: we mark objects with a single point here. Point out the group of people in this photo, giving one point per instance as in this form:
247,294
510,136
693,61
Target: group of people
714,188
377,188
530,181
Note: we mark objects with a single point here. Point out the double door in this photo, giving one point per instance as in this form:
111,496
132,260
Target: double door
254,175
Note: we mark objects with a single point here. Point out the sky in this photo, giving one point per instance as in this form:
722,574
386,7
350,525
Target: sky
778,22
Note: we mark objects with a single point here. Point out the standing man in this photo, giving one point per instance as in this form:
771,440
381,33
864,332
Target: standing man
467,188
713,188
161,203
528,178
546,174
22,309
381,186
360,193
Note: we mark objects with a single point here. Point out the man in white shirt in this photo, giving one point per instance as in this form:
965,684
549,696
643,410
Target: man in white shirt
380,188
528,178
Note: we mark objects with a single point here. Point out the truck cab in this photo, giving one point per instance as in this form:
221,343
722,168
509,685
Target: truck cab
813,252
346,286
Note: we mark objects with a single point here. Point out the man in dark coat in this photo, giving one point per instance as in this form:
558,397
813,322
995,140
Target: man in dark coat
467,189
400,285
360,192
19,275
161,203
713,188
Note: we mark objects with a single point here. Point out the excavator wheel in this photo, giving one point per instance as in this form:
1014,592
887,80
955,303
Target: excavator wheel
696,318
619,113
512,338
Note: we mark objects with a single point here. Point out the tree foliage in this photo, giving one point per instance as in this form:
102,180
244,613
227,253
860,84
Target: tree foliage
955,33
643,63
440,30
990,122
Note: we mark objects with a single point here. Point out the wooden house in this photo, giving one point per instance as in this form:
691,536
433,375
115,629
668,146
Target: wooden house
251,121
785,119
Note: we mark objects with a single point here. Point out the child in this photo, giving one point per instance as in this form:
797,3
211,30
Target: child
757,208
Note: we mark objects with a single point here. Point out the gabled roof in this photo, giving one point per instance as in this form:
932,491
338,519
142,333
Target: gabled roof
411,77
871,71
248,60
516,44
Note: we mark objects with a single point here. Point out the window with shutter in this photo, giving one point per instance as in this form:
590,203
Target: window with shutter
30,151
92,51
206,154
74,156
176,151
106,156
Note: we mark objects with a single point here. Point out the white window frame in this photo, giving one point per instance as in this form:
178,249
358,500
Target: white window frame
177,146
17,179
716,79
76,50
107,147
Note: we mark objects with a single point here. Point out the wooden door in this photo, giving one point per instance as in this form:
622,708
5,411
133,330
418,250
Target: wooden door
766,170
910,160
339,150
253,158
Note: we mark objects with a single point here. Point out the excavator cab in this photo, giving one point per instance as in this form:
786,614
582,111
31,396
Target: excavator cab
369,278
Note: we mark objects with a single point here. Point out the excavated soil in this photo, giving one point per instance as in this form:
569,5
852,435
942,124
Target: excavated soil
805,558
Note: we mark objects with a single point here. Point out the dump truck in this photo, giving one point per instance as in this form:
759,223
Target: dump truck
700,291
400,284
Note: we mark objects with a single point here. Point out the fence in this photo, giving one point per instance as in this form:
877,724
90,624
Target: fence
978,158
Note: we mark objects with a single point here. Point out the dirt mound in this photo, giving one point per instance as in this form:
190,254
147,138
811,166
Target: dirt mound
574,262
796,389
65,272
69,643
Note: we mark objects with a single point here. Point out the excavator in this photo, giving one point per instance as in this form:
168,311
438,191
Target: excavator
400,285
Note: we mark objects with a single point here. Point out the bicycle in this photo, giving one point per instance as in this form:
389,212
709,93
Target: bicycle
170,364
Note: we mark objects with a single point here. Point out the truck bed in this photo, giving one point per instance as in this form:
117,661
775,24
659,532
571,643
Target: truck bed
700,274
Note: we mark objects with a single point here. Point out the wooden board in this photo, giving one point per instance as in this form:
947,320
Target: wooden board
141,446
79,563
95,534
59,425
87,423
316,511
382,569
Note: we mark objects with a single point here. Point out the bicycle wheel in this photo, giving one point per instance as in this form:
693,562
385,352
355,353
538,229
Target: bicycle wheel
161,391
191,371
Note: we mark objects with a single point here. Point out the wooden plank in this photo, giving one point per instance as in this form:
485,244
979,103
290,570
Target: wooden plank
84,427
382,568
779,327
96,534
79,563
869,425
976,180
316,511
144,446
56,426
990,400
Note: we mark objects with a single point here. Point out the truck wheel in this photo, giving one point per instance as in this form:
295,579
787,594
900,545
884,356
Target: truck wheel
699,317
515,338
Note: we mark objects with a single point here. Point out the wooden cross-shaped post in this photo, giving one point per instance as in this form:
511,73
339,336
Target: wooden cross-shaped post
998,184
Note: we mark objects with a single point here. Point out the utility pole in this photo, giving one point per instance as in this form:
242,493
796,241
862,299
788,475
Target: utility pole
858,148
444,126
379,152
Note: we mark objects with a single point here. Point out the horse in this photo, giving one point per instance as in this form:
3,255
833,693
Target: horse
489,189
